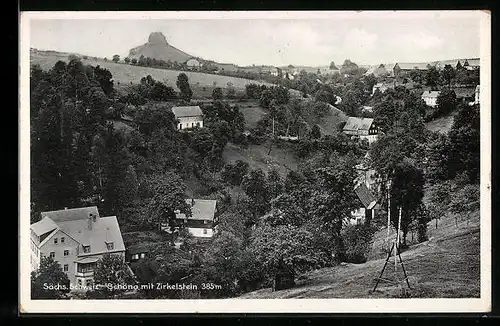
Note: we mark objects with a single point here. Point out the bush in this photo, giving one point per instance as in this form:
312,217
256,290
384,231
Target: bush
358,242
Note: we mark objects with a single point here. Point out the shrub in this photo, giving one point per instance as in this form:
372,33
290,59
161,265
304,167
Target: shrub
358,242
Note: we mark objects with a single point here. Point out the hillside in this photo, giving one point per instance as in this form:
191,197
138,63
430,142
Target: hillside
125,74
442,124
158,48
449,248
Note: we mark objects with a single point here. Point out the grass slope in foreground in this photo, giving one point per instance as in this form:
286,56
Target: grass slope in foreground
445,266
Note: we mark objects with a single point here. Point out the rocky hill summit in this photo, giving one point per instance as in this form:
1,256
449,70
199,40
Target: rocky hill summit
158,48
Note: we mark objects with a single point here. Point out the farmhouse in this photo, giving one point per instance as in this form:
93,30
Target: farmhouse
401,69
364,128
366,205
188,117
201,223
193,64
76,238
430,98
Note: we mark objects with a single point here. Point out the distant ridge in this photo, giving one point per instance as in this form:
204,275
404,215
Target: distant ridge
158,48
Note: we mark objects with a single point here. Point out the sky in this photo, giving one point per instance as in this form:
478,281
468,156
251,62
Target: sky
264,38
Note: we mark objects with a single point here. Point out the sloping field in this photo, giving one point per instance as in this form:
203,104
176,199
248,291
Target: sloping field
442,124
330,122
445,266
256,156
126,74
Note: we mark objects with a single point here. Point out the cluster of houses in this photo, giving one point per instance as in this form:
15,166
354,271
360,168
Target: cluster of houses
77,238
400,69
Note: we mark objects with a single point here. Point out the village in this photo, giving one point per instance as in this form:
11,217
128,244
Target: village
219,180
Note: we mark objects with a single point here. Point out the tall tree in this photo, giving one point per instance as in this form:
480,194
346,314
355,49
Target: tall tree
110,270
116,58
168,197
183,85
49,281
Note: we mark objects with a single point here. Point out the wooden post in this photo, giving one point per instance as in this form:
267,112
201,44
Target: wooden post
388,213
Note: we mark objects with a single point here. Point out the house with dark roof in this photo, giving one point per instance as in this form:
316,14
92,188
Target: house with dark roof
188,117
364,128
366,205
76,238
202,222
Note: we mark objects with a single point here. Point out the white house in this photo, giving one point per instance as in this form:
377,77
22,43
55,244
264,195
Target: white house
476,95
364,128
201,223
193,64
188,117
430,98
76,238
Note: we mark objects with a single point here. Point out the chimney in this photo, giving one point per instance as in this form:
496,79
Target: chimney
89,221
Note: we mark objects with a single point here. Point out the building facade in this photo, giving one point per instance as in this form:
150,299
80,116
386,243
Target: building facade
188,117
193,64
430,98
76,239
364,128
202,222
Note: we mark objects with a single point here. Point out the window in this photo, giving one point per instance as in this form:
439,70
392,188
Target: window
197,124
65,268
55,240
110,245
88,282
52,254
80,282
143,255
135,257
204,231
180,125
66,252
62,239
86,249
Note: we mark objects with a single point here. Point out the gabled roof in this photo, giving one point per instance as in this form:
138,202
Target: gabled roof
43,226
71,214
203,209
430,94
365,196
187,111
75,223
355,123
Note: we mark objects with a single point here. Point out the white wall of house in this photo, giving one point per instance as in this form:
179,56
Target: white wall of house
369,138
189,122
430,101
357,216
65,252
201,232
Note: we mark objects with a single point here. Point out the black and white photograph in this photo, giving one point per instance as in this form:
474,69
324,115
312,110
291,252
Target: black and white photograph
255,161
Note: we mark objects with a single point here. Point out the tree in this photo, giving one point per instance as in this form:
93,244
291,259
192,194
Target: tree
315,132
407,191
284,251
233,173
127,60
432,77
446,101
217,93
168,197
105,79
111,277
49,281
183,85
231,91
448,74
134,61
254,184
116,58
333,66
275,183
